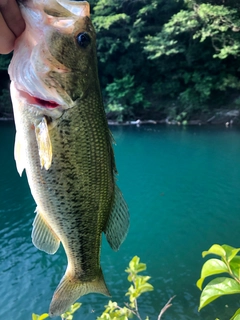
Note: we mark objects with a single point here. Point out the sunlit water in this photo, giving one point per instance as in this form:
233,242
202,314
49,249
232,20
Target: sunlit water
182,186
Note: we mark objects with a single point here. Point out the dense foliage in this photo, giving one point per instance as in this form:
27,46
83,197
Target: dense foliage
163,58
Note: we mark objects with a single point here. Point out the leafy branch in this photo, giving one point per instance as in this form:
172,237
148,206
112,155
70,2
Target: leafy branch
139,285
228,262
68,315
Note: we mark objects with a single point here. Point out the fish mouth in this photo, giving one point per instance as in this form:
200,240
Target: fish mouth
38,78
32,100
36,104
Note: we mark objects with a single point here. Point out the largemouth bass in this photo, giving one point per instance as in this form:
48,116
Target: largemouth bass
64,144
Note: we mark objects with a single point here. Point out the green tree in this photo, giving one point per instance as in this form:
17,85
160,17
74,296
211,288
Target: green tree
164,58
124,68
201,46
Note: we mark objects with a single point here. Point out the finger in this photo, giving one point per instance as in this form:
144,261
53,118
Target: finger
2,3
12,16
7,38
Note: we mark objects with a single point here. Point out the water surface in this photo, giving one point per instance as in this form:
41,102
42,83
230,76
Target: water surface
182,186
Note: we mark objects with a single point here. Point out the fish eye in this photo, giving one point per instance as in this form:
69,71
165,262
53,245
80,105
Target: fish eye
83,39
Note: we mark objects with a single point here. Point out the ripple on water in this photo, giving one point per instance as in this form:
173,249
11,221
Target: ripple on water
182,188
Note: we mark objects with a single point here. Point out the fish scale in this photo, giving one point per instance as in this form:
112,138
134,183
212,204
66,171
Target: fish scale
64,144
76,181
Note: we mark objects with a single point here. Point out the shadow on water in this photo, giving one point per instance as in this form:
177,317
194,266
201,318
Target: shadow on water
182,186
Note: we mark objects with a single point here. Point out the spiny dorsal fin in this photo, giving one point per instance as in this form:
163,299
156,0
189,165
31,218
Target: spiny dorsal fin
44,144
43,237
19,155
118,221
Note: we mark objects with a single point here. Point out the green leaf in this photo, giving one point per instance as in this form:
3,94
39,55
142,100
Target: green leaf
142,285
235,266
145,288
114,312
135,266
68,314
75,307
231,252
236,315
215,249
211,267
217,288
43,316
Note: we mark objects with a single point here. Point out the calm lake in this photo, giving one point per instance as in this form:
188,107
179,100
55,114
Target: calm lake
182,186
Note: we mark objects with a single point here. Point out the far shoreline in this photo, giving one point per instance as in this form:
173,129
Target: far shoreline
224,117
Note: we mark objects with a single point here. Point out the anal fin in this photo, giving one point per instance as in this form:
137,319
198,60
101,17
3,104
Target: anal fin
118,221
43,237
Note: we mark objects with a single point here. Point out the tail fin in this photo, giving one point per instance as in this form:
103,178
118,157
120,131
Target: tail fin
70,289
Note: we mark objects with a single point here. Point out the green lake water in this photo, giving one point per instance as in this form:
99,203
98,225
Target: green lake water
182,186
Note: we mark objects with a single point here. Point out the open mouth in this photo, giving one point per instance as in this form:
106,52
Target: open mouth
38,101
46,104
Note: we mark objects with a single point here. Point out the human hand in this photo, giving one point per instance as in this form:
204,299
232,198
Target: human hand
11,25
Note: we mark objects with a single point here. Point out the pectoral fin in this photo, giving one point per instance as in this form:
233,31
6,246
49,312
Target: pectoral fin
44,144
43,237
19,155
118,221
